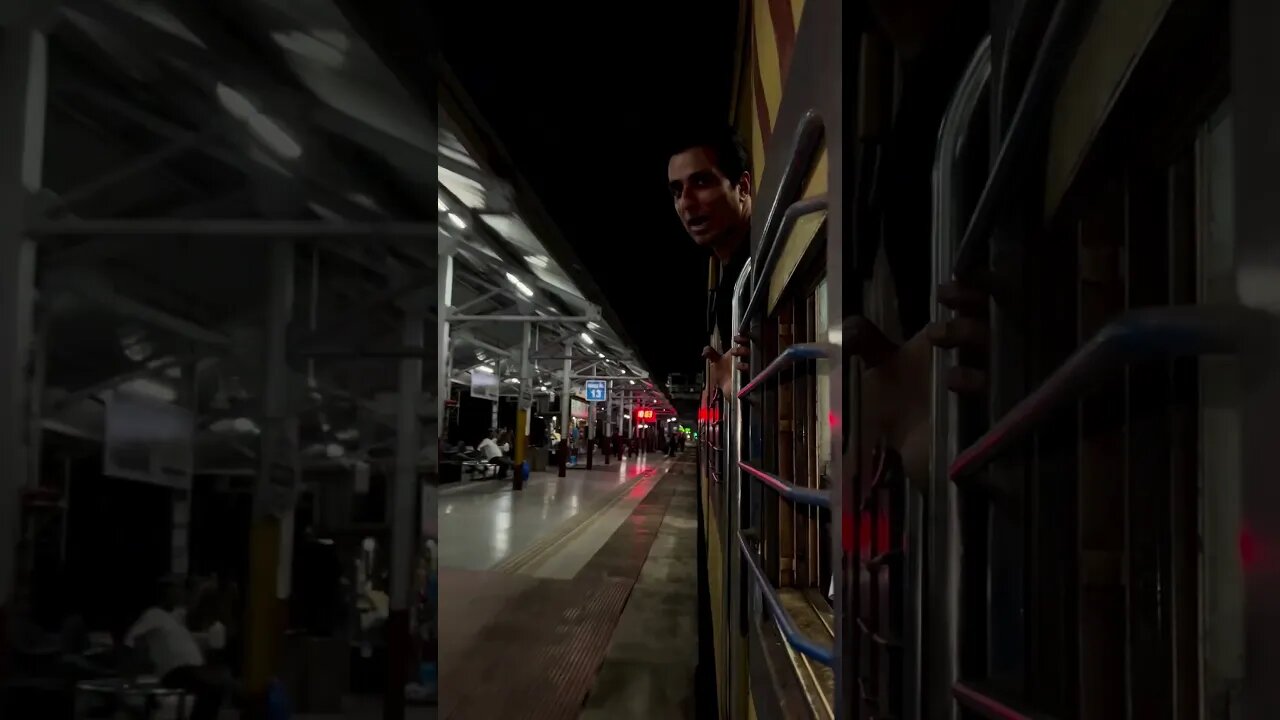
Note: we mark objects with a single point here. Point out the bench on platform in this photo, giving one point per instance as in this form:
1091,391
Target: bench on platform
471,469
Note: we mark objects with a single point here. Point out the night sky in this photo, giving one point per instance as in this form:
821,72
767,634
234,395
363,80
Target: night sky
584,97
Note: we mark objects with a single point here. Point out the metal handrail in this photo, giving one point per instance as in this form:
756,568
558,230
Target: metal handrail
1137,335
801,643
793,213
807,135
791,491
1065,28
793,354
732,603
941,608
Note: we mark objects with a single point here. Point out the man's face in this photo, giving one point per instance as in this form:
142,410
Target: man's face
711,206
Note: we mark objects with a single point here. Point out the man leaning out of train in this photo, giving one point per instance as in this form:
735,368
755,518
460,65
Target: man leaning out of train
711,188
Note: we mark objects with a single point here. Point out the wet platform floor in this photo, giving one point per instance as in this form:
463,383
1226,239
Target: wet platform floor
483,524
617,638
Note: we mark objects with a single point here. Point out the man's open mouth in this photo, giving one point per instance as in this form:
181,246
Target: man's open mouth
699,223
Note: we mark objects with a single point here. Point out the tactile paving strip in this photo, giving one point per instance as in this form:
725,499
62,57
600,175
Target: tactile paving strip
538,659
624,553
522,560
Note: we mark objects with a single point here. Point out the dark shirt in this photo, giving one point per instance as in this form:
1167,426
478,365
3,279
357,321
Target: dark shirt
721,320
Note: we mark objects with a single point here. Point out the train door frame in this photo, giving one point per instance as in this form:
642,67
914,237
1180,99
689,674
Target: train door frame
1170,131
811,111
1255,58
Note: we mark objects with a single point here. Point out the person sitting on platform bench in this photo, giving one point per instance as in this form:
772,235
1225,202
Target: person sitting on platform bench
171,650
495,454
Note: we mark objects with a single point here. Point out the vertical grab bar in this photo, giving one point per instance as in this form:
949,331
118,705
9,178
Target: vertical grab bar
942,517
733,507
805,141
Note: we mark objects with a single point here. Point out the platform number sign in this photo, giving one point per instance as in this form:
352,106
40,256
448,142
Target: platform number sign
596,390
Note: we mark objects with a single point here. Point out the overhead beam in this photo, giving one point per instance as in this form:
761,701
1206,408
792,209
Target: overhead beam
471,339
416,281
474,302
248,229
328,191
70,400
128,307
318,350
232,61
170,150
357,253
91,251
555,299
87,115
520,318
163,127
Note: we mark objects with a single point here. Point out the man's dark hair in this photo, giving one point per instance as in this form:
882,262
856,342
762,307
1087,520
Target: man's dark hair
727,148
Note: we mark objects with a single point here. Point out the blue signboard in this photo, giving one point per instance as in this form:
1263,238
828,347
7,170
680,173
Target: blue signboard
596,390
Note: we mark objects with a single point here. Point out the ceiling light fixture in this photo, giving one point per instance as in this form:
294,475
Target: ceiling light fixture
268,131
524,289
324,48
235,103
462,225
587,339
274,137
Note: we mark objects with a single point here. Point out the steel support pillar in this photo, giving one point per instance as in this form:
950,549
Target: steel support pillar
524,407
180,530
275,493
588,435
628,411
565,389
607,439
404,521
608,413
23,65
444,300
497,400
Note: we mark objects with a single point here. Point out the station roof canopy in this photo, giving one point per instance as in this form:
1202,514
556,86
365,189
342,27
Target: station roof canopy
182,138
511,262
